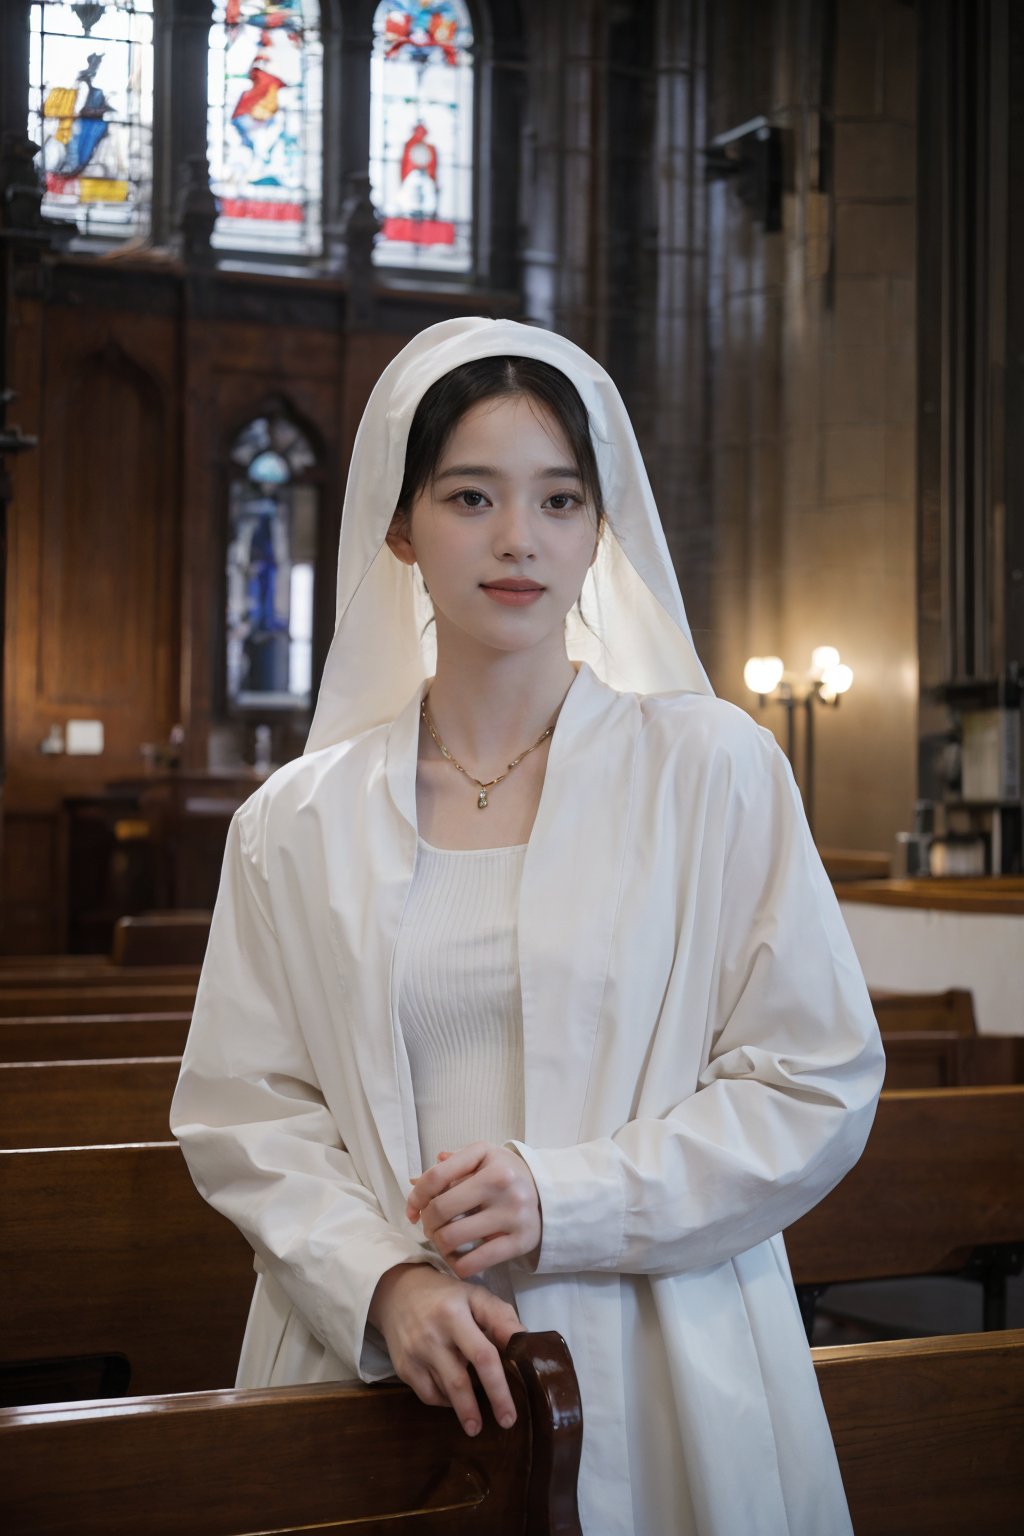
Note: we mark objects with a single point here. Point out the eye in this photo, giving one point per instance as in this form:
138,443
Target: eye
471,500
564,502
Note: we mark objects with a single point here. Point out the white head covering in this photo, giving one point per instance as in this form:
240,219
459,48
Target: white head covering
638,640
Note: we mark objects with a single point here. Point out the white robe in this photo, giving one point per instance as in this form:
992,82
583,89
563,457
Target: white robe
701,1066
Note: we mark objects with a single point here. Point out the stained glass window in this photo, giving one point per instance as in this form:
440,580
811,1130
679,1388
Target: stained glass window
272,539
421,134
265,124
91,112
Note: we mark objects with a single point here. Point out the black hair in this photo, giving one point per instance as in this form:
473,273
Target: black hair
488,378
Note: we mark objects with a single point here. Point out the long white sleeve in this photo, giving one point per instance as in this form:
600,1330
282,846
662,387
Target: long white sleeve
261,1144
785,1104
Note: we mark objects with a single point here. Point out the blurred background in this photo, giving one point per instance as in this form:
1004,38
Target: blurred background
793,232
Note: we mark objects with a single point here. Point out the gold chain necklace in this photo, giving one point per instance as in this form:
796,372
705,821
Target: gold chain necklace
481,799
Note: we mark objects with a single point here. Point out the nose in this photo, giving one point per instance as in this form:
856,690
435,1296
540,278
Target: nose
514,536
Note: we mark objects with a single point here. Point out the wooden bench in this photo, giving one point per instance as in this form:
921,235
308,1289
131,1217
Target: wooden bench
69,1001
951,1011
929,1433
939,1190
161,938
943,1059
86,1103
44,976
360,1460
93,1036
109,1252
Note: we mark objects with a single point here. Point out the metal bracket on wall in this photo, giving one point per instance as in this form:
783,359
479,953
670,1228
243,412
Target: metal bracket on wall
752,156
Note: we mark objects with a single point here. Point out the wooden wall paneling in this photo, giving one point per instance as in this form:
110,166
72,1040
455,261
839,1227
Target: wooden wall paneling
199,447
26,319
96,570
106,571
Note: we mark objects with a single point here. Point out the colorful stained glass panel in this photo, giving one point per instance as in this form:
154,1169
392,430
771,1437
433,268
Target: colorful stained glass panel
265,124
270,567
91,112
421,134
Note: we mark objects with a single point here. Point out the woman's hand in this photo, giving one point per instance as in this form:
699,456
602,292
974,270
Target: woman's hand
483,1195
435,1328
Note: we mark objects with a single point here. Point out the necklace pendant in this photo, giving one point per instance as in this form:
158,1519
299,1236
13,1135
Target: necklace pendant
481,800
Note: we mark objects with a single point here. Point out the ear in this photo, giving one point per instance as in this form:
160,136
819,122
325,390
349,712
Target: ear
397,538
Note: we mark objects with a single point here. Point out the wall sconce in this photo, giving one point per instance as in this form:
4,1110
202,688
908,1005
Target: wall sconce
826,681
751,156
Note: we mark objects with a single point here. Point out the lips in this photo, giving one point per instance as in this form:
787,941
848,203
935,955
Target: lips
513,593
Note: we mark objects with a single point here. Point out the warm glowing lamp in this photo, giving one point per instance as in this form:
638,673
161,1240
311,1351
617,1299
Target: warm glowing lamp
835,680
763,674
827,680
823,657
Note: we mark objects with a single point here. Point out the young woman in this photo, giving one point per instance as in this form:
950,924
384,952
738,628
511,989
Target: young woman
527,1000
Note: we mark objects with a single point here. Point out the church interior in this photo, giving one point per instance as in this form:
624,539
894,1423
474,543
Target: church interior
792,231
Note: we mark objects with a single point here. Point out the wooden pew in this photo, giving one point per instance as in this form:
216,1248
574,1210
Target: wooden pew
161,938
942,1059
44,975
71,1000
899,1012
86,1103
330,1458
10,965
940,1185
929,1433
93,1036
108,1252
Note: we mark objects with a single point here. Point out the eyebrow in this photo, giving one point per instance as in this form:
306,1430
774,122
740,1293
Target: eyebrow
482,471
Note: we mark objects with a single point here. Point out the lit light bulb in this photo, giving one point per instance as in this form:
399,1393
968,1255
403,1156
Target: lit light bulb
763,674
823,658
836,680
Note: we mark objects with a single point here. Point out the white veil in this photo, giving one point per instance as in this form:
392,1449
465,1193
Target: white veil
638,639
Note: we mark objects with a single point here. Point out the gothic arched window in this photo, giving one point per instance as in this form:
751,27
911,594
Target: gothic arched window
273,511
421,134
265,124
91,112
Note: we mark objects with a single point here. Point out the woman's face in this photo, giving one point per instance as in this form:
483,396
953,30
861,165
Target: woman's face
502,536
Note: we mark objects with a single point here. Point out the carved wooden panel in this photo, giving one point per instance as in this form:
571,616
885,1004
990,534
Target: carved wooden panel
93,627
105,568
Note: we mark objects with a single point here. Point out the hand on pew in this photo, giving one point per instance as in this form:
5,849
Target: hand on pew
288,1459
435,1326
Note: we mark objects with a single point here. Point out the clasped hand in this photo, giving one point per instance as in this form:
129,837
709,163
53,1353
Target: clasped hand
484,1195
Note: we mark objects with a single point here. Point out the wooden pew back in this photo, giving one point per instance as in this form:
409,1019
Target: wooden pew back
46,975
942,1059
86,1103
942,1174
93,1036
161,938
929,1433
360,1460
898,1012
18,1002
111,1250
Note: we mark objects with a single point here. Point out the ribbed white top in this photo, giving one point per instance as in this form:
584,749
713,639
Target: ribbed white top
459,1005
457,973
